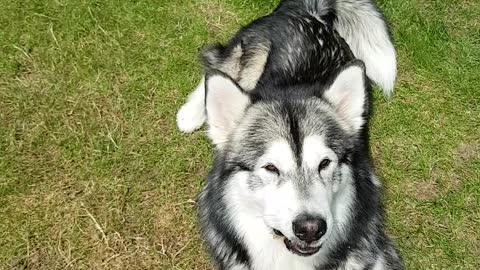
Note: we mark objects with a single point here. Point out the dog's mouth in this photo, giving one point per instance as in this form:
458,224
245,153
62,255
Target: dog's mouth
300,250
295,248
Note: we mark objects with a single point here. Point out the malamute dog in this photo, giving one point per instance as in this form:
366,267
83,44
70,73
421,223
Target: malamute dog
287,102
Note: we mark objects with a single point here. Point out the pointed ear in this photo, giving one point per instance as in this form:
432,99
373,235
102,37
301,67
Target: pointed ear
226,103
348,95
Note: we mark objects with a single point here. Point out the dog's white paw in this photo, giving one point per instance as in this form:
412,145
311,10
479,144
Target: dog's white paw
190,117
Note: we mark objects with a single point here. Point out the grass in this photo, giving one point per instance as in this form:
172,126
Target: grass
94,174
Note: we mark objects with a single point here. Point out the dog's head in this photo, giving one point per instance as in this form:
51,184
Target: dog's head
291,156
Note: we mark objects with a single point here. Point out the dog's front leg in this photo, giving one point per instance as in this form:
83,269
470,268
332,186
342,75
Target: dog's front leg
191,115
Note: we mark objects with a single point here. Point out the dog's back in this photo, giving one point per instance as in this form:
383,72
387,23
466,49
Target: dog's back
288,47
300,42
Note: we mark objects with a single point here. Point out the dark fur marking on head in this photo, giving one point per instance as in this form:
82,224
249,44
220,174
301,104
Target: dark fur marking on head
297,142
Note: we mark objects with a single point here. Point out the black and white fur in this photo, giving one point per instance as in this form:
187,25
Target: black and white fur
287,105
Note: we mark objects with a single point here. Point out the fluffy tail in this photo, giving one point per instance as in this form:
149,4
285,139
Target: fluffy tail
364,29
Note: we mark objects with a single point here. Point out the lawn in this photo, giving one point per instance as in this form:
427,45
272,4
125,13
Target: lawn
95,175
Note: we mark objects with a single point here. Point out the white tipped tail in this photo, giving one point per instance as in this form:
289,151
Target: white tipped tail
364,29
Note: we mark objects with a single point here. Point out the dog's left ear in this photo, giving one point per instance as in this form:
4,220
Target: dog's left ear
226,103
348,95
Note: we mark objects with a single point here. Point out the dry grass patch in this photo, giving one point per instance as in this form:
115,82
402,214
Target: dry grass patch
218,16
468,152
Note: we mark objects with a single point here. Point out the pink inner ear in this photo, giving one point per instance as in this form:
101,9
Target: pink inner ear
343,106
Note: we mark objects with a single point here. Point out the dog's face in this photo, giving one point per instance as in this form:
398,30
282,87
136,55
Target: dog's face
295,185
291,157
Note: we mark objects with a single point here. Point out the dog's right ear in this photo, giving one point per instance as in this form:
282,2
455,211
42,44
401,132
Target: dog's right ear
226,103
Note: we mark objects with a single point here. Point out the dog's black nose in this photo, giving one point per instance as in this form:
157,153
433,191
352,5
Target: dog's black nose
309,228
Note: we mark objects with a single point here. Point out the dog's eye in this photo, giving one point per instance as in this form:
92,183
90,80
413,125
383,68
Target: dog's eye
324,164
272,169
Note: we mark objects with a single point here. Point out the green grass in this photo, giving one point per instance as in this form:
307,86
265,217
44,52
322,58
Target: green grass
94,174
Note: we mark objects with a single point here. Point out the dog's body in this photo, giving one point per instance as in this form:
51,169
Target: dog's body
288,107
